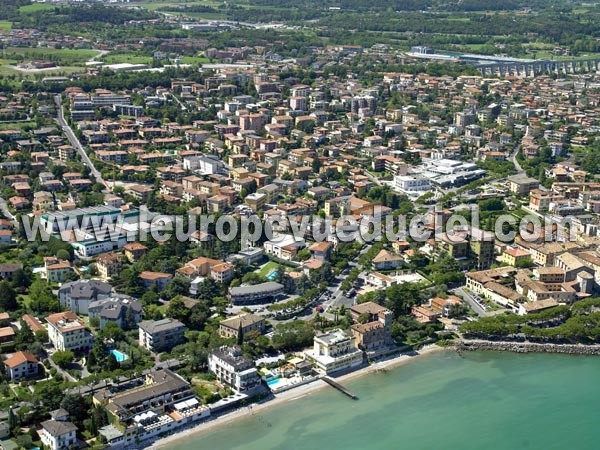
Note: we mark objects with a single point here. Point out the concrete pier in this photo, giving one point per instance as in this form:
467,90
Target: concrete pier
340,388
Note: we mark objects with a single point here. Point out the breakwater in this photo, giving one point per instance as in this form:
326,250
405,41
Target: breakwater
527,347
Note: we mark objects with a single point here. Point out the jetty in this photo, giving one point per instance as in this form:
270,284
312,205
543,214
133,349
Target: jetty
340,388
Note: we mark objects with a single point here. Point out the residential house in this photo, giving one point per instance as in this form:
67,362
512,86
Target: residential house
56,269
109,264
125,312
21,365
244,323
386,260
158,279
58,435
134,251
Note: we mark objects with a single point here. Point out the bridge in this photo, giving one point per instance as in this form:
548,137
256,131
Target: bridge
538,67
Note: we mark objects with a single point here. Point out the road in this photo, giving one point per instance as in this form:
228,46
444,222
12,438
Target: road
75,141
181,105
335,297
66,375
372,178
471,302
513,159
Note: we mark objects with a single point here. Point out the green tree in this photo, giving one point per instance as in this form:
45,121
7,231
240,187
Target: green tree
8,297
63,358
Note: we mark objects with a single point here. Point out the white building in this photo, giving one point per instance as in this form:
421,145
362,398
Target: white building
21,365
408,184
233,369
67,332
284,246
58,435
334,351
205,165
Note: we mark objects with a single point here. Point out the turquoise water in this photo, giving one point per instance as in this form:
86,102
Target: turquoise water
272,275
119,356
273,381
440,401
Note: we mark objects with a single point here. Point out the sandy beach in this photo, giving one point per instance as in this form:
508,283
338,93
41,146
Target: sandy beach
290,395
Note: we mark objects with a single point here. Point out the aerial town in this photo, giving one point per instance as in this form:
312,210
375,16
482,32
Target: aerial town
115,334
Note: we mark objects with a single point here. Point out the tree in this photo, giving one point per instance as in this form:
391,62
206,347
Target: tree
252,278
12,419
240,334
24,441
63,254
42,299
50,393
177,310
8,297
63,358
111,362
24,336
76,407
177,286
112,332
91,360
292,336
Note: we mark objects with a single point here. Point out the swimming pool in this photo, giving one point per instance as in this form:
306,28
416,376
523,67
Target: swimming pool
272,275
277,383
119,356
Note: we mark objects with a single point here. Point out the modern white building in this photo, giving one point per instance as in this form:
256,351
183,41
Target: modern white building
334,351
447,173
284,246
409,184
205,165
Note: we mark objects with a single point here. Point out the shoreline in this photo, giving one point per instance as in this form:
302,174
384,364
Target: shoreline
291,395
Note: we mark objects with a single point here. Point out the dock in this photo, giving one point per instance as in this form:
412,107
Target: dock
339,387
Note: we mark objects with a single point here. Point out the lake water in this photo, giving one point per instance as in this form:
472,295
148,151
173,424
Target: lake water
481,400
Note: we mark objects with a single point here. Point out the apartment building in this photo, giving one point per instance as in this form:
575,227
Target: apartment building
161,335
233,369
67,332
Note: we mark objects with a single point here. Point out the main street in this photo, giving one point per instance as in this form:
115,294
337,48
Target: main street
75,141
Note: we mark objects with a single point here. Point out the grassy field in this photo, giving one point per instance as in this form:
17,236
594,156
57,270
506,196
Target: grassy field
127,57
7,71
62,56
35,7
16,125
157,4
268,268
5,25
194,60
153,5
